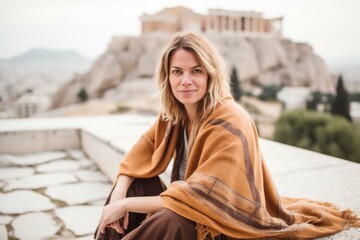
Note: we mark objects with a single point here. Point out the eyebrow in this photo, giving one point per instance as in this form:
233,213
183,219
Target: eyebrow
190,68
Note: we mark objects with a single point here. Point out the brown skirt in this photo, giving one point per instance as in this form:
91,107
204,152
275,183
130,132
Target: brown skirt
164,224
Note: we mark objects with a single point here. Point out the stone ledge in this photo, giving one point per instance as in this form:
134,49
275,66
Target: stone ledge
296,172
31,141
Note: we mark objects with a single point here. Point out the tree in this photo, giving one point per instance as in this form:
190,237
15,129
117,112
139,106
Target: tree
235,85
317,98
341,104
320,132
313,101
269,92
82,95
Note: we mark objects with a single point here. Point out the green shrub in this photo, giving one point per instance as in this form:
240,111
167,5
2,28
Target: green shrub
317,98
319,132
354,97
269,92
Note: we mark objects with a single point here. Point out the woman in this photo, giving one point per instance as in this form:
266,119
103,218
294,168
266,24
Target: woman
221,187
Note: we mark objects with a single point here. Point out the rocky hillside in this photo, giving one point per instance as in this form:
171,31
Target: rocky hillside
40,71
127,68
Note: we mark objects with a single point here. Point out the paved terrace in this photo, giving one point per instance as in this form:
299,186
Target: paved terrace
55,174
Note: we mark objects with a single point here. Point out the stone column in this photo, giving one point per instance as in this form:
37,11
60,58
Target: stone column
223,23
238,24
208,25
242,24
257,24
262,25
216,23
247,24
231,24
268,26
253,24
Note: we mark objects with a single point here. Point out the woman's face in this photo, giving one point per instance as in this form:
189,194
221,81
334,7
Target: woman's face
188,79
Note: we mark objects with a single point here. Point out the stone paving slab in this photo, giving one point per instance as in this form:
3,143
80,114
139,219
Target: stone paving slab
79,193
7,173
3,233
29,211
90,176
34,159
40,180
81,220
36,225
59,165
22,201
5,220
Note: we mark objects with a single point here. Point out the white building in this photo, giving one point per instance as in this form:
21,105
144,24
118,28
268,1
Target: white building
294,97
355,111
28,105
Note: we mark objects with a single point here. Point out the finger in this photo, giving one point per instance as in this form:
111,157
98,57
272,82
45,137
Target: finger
98,233
115,225
118,228
126,220
102,228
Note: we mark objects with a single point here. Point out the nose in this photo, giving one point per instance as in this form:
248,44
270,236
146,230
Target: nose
186,80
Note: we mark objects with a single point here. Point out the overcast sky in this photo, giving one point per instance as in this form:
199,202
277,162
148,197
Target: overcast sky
331,27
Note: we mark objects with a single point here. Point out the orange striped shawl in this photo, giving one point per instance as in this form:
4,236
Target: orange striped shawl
228,187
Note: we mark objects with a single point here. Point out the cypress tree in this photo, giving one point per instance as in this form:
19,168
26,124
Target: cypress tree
82,95
341,104
235,85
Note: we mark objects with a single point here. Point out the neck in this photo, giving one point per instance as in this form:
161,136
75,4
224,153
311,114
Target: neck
191,113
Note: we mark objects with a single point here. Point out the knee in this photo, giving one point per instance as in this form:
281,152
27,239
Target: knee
175,226
168,215
164,224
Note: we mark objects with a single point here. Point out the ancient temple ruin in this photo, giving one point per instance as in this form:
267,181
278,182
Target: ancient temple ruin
246,23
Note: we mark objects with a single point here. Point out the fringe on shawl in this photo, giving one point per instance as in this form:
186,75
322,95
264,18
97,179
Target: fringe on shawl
351,218
204,232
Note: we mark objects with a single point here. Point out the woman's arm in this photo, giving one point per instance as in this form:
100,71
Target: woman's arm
122,185
143,204
117,210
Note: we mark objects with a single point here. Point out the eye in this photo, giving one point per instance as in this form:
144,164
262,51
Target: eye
176,71
197,70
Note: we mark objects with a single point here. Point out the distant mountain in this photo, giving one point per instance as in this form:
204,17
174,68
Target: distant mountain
41,67
40,55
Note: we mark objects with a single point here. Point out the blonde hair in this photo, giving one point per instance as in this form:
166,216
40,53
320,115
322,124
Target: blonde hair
210,59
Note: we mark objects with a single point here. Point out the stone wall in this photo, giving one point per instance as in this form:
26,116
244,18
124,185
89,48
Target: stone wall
32,141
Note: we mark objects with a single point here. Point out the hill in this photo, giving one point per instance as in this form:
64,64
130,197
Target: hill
41,55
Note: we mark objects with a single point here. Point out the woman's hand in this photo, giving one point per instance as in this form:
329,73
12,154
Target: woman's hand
118,209
118,194
111,214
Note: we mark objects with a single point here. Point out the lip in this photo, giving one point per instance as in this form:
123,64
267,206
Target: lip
187,91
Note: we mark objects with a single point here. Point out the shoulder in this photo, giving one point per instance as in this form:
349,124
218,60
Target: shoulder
229,119
232,112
